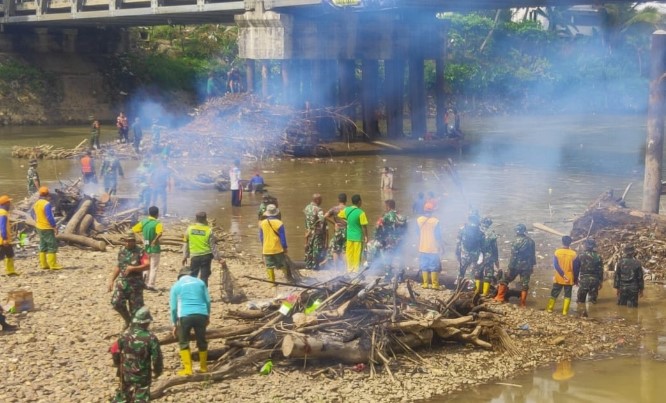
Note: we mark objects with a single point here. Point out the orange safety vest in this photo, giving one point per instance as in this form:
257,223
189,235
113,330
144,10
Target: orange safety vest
86,165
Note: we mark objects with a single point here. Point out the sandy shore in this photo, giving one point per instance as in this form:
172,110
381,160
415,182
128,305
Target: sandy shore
60,351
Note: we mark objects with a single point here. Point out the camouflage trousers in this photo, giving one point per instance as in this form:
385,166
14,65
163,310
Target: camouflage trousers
467,260
315,250
337,243
525,275
132,392
127,291
485,272
628,296
587,286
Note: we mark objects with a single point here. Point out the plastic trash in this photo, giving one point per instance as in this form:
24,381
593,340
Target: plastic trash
266,368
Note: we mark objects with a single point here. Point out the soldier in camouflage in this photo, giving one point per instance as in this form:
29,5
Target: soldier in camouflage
315,233
390,231
522,262
110,170
485,272
468,246
590,277
138,352
628,278
336,246
33,178
126,279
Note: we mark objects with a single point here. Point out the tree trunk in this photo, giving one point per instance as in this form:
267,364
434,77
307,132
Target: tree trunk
326,347
82,240
84,226
74,222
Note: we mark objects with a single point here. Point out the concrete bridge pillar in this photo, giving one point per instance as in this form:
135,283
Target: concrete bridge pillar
417,97
69,40
369,101
440,97
43,40
249,75
394,88
265,77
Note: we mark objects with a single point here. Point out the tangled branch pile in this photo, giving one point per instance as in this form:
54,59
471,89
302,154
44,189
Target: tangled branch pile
350,321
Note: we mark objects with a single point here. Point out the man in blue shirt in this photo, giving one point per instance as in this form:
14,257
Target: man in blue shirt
190,309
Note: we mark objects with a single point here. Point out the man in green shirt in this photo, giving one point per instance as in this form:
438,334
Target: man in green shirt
150,229
357,233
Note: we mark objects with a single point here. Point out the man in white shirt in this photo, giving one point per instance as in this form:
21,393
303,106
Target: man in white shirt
234,184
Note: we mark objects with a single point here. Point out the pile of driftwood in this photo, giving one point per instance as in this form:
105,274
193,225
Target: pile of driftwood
351,321
50,152
612,224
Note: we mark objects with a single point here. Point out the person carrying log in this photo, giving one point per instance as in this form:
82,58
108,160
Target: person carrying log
6,248
42,213
430,246
126,279
521,263
567,266
357,233
150,229
486,270
33,178
111,168
138,351
88,168
315,233
336,245
591,276
628,280
189,303
274,243
200,247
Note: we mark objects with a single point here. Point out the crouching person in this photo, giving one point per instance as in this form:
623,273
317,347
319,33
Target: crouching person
190,309
137,352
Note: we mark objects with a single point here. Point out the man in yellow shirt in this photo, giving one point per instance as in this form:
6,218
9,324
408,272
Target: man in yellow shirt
430,241
47,229
6,249
357,233
274,242
566,266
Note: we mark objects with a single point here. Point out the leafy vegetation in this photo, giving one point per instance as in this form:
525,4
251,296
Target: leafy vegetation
16,75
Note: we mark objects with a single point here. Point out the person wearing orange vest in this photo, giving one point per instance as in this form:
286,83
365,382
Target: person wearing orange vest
47,229
566,264
88,168
6,249
430,246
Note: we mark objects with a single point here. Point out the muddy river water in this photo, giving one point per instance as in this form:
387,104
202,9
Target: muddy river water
522,170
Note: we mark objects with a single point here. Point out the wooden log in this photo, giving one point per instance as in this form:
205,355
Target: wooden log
548,229
326,347
81,212
82,240
235,367
418,339
84,226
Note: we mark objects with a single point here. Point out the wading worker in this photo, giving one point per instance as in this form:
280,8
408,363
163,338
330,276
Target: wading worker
234,184
565,262
139,351
150,229
189,303
201,247
126,279
629,278
45,223
357,233
33,178
6,248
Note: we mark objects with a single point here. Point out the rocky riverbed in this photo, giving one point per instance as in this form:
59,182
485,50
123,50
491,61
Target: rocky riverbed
60,352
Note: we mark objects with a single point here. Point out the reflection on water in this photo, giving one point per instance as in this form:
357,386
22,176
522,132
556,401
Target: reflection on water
524,170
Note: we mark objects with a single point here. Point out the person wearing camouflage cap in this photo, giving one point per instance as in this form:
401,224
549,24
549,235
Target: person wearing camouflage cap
138,351
628,278
486,270
126,279
590,277
33,178
521,263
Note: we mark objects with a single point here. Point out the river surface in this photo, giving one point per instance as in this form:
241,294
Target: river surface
523,170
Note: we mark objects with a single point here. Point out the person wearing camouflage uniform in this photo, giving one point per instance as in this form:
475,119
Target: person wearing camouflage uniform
629,278
389,233
336,246
111,168
266,200
522,262
468,246
485,272
315,235
138,351
126,280
591,275
33,178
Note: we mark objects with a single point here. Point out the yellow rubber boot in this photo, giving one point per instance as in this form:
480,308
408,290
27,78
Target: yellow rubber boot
9,266
43,264
551,305
424,274
486,288
565,307
477,286
203,361
53,261
186,359
271,275
434,279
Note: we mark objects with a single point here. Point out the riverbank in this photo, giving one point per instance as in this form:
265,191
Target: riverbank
60,351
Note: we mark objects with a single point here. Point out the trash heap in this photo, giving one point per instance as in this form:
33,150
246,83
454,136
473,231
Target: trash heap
351,321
